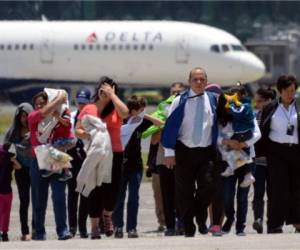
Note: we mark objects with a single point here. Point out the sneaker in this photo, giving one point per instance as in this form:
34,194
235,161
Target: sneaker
4,237
108,225
170,232
227,226
65,237
133,233
258,226
66,175
248,180
216,230
160,229
73,232
240,233
46,173
119,233
228,172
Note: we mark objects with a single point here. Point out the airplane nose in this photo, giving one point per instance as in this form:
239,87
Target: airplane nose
253,68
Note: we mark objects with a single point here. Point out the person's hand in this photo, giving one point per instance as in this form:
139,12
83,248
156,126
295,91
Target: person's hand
170,162
62,97
233,144
56,114
243,145
108,90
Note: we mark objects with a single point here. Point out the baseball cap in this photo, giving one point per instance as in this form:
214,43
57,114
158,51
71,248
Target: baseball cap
83,95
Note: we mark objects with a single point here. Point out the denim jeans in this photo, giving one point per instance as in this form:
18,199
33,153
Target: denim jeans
40,188
229,190
132,180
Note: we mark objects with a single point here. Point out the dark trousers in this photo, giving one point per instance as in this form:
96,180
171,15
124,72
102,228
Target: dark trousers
167,185
217,195
260,186
284,175
105,197
132,180
22,177
193,166
229,190
73,204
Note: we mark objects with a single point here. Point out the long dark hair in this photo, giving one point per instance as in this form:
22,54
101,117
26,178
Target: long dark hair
13,135
223,116
110,106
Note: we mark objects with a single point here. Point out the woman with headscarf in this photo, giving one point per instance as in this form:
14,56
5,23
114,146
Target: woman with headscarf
18,135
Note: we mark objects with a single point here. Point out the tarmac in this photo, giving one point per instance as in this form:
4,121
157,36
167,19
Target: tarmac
149,238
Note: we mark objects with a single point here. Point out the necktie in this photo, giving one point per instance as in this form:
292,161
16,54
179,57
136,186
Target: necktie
198,122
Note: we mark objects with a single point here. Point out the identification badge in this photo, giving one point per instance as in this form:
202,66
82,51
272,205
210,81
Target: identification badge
290,129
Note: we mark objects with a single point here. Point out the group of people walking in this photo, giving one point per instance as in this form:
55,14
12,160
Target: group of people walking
206,148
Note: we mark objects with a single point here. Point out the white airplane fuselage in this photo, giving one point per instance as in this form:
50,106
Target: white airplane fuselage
131,52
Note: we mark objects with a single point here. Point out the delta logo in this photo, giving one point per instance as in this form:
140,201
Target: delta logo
92,38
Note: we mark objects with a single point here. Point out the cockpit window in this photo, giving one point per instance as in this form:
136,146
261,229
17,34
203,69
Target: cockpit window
215,48
237,47
225,47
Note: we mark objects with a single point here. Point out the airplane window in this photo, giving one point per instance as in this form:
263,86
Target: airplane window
150,47
135,47
97,46
83,47
31,47
113,47
105,47
127,47
120,47
24,47
143,47
91,47
237,47
16,46
1,47
225,47
215,48
75,47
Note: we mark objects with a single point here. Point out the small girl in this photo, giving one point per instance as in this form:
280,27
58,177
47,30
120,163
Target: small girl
7,164
239,107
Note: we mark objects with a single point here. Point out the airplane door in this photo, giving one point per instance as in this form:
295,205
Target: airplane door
182,51
46,50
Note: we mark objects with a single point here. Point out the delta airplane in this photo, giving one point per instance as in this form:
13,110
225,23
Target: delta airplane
149,53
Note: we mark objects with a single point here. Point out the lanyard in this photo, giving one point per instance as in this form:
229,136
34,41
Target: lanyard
287,114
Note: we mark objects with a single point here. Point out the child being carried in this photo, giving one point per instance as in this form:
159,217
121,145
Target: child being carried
239,107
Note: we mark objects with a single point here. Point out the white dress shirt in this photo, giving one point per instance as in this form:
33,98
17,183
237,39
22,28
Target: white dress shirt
185,134
227,131
279,124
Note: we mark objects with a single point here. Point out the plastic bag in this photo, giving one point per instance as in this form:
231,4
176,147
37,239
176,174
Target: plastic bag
52,159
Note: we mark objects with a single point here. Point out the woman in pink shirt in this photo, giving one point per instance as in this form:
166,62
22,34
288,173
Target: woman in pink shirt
111,110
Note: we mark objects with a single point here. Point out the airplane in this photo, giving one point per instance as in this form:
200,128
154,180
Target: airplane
133,53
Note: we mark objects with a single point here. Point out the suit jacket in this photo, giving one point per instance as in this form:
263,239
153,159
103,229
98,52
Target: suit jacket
265,126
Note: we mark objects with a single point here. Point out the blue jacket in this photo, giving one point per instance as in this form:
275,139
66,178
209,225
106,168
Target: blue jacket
173,123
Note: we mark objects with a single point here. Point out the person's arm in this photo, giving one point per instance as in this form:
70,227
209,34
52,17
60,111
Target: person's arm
169,159
50,107
64,121
120,106
16,164
80,132
256,136
154,120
